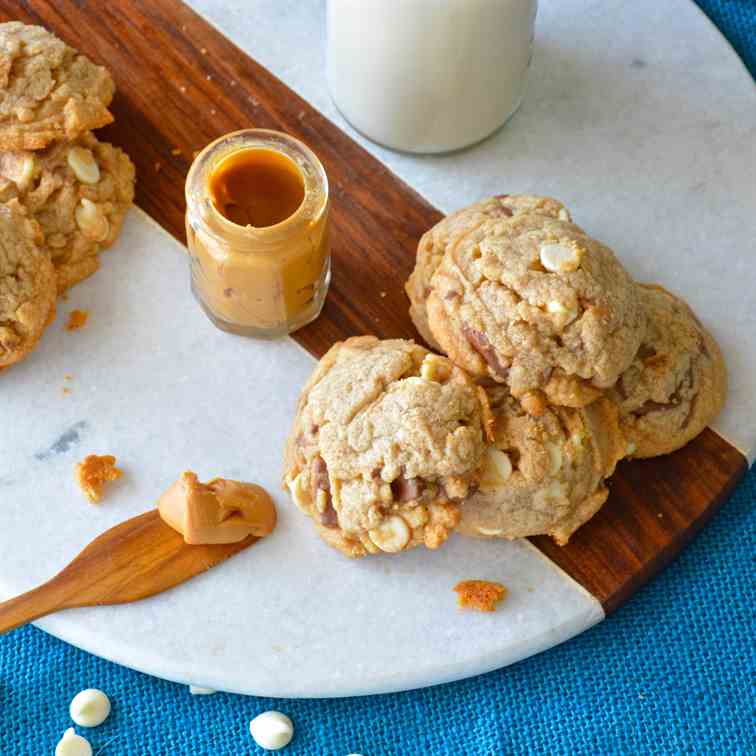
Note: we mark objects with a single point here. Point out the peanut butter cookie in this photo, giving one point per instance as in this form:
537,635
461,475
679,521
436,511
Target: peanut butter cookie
535,303
434,242
48,91
543,475
386,442
27,284
79,192
677,383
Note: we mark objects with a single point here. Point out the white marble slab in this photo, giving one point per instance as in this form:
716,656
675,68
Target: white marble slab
155,384
638,115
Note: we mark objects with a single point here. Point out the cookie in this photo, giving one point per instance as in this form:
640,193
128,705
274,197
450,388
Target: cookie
546,474
434,242
79,192
537,304
48,91
677,383
27,284
386,442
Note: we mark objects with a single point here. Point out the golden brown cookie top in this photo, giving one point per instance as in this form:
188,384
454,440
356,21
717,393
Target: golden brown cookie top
79,191
387,438
435,241
533,301
543,475
677,382
48,91
27,284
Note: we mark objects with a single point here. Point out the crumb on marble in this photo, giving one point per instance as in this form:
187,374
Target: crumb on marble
483,595
77,320
66,391
94,473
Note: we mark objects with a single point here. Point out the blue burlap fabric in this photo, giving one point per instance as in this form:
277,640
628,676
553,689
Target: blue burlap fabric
671,672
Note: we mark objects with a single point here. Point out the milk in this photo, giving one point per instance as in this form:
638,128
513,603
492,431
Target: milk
428,75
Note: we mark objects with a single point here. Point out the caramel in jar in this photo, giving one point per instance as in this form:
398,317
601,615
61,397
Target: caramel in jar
257,231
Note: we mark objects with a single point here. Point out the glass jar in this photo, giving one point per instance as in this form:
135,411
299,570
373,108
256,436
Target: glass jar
258,280
428,76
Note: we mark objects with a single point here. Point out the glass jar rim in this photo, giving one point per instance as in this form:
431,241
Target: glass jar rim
200,206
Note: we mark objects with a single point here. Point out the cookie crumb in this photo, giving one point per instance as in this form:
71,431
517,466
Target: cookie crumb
68,377
66,391
77,320
483,595
94,473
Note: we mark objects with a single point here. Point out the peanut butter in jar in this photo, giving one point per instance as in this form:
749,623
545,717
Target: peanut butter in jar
257,229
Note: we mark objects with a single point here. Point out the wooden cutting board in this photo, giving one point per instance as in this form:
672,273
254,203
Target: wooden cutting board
182,84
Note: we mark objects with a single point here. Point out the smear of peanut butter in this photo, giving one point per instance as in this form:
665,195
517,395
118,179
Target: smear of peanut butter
220,511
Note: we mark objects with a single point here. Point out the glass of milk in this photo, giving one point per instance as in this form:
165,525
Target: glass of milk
428,75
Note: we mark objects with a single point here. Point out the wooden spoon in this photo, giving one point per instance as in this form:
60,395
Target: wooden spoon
131,561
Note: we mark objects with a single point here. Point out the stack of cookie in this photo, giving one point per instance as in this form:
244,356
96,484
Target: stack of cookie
63,193
557,365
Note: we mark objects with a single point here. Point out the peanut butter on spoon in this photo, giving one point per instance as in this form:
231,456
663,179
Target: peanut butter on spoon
220,511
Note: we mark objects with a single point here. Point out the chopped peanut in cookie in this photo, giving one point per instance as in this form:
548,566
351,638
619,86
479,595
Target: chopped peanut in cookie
483,595
94,473
77,320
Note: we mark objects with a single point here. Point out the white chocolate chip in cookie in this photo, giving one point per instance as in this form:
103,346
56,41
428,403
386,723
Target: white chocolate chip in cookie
82,162
90,220
435,368
555,455
561,313
391,536
497,468
490,532
560,258
300,492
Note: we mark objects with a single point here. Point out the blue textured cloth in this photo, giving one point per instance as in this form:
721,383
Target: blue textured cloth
671,672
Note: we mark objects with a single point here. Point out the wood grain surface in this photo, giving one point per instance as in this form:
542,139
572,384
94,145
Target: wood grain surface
182,84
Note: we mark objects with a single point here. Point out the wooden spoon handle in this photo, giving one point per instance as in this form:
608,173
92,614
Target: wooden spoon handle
30,606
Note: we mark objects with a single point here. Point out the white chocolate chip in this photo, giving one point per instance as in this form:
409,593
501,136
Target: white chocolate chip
497,469
300,492
416,517
435,368
271,730
82,162
490,531
560,258
391,536
89,708
92,223
555,455
564,214
564,314
198,690
72,744
321,501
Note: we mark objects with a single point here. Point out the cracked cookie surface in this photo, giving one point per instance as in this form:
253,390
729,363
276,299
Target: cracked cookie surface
677,383
543,475
27,284
435,241
48,91
535,303
79,192
386,441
